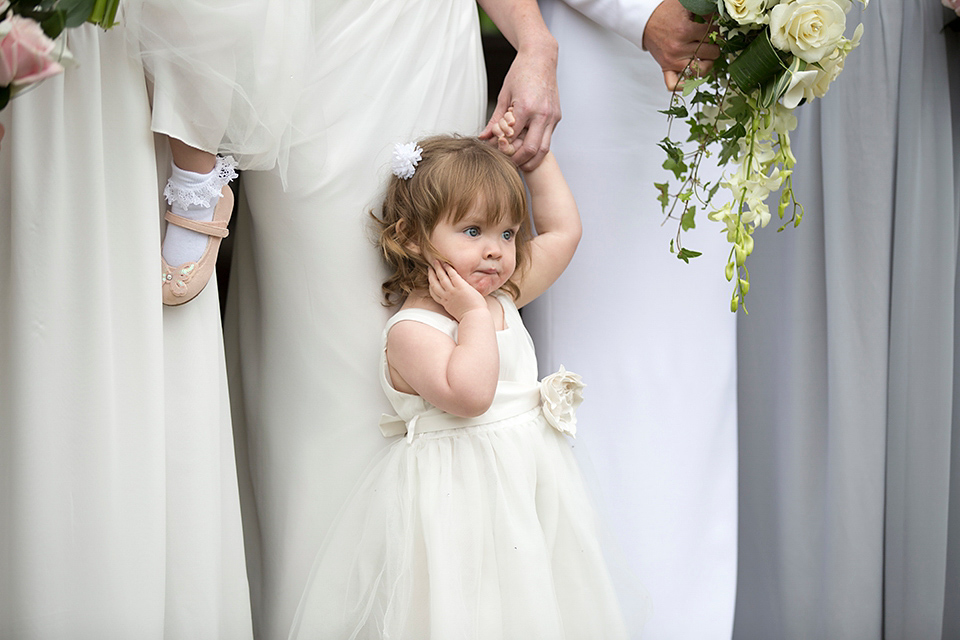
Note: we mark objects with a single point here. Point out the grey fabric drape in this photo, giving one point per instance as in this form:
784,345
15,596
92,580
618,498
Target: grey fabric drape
849,453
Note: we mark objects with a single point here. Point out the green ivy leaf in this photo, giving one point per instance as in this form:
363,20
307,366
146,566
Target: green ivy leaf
713,190
678,111
704,97
664,196
690,84
737,108
678,166
685,254
687,221
669,146
731,146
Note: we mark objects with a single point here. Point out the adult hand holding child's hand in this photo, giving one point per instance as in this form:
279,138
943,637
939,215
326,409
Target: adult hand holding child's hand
504,133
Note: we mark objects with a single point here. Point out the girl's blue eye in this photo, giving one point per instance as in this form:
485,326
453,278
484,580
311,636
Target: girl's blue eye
508,234
473,232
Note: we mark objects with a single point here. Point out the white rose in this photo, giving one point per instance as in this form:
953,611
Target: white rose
560,394
809,29
747,11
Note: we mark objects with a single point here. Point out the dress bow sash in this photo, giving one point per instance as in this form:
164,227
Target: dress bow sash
560,394
511,400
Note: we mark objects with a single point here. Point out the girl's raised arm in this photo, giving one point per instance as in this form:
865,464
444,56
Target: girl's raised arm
557,223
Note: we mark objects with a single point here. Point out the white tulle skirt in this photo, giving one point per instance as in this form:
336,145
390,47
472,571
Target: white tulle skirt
227,75
482,532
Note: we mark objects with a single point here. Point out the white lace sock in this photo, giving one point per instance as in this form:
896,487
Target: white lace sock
193,195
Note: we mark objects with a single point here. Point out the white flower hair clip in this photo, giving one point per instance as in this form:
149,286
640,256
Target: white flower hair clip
406,157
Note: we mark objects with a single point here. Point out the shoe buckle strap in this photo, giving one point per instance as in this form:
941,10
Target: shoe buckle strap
216,229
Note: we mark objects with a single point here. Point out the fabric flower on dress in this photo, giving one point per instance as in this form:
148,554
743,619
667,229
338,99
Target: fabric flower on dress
406,157
561,393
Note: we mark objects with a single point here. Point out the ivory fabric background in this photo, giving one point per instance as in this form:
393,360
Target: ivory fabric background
849,437
652,337
119,506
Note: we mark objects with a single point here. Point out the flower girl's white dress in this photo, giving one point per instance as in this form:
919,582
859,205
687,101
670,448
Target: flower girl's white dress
468,527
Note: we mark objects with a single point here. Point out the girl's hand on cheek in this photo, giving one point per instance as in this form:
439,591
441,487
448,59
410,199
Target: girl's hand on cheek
452,292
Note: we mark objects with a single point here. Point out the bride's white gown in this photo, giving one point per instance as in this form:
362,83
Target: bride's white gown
654,337
305,316
119,510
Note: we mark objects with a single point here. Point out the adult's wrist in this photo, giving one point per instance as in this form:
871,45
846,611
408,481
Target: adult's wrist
539,43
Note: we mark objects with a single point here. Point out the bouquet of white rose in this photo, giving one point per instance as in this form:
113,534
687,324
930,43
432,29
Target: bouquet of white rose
775,55
28,28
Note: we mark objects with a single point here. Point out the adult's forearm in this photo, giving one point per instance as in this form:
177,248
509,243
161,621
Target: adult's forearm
521,24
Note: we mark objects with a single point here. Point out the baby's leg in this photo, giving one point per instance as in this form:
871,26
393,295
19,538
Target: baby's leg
192,238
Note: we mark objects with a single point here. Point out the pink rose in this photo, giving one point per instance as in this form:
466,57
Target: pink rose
952,4
25,53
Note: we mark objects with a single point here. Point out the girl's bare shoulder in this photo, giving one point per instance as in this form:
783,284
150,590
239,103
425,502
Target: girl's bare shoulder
425,302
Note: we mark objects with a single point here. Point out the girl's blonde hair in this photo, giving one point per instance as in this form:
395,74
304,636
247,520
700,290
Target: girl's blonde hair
454,174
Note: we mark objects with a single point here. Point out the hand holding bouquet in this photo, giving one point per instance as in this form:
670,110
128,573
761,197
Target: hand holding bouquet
775,55
28,29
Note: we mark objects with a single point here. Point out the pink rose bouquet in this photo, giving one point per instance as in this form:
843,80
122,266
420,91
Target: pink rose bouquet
28,30
26,53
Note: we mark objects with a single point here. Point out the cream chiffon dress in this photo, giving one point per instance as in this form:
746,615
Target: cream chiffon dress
467,527
119,509
304,315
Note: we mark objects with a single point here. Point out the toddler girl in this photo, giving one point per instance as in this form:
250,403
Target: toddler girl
476,524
